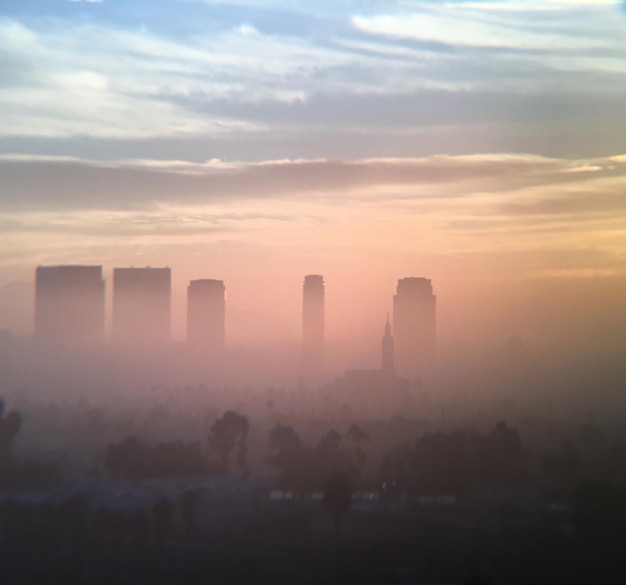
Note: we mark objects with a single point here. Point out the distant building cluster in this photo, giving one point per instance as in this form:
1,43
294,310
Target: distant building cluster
70,307
70,310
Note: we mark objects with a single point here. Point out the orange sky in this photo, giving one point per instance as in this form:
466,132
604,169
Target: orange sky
478,144
513,244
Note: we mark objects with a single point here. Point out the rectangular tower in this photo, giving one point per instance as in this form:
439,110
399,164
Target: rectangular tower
206,316
141,305
414,327
69,304
313,323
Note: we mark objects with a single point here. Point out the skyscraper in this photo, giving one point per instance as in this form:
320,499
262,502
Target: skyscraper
206,316
387,365
414,327
5,350
69,304
141,305
313,323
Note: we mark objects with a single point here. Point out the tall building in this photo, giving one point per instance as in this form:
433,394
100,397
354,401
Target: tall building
414,327
141,305
386,348
69,304
313,323
206,316
5,350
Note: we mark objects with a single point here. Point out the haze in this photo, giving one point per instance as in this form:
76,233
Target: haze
478,144
326,292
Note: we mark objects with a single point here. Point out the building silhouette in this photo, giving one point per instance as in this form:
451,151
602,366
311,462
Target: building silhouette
5,350
69,304
386,350
414,327
141,305
313,323
206,316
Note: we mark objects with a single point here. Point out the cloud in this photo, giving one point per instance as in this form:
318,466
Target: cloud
69,183
247,30
515,216
487,26
255,77
498,201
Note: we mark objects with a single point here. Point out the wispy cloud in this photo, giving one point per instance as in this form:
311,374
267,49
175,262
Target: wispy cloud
334,128
474,205
46,182
278,76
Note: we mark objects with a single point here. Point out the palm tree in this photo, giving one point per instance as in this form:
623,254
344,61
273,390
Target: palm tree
228,432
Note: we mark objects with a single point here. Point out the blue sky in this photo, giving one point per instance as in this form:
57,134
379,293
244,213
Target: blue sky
258,80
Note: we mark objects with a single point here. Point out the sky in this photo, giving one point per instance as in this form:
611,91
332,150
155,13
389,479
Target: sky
480,144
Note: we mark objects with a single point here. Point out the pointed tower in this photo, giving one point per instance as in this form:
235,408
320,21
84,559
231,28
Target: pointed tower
387,350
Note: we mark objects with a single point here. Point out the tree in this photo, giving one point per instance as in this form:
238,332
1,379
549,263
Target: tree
10,425
285,446
134,458
162,513
292,458
441,463
228,432
328,453
444,463
502,456
357,434
331,457
337,497
599,512
564,470
359,438
128,459
396,471
188,504
176,459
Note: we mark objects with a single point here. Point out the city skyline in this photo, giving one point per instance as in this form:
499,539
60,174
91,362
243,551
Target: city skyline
68,304
329,291
142,307
369,317
478,143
